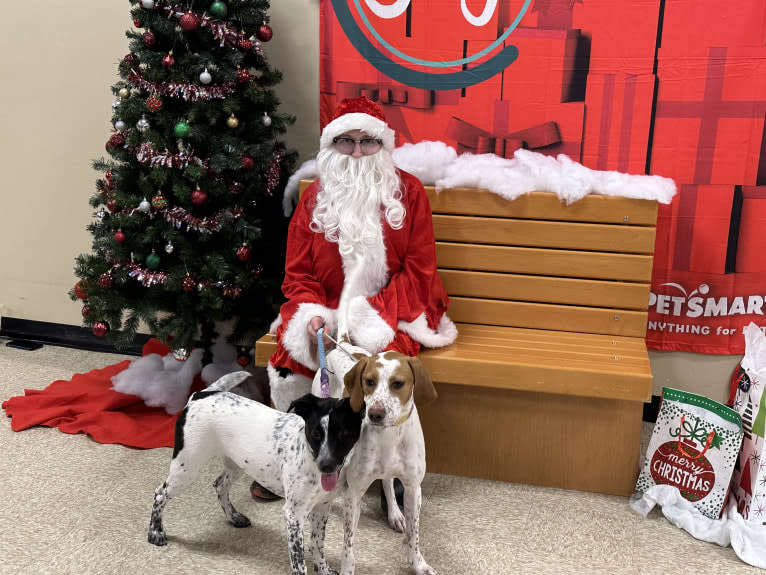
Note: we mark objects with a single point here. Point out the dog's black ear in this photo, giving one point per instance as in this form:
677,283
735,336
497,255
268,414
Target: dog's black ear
304,405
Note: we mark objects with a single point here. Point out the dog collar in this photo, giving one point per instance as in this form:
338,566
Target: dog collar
405,417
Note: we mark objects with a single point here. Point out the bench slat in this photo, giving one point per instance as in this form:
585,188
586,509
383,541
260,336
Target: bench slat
544,234
559,263
572,291
543,206
499,337
548,316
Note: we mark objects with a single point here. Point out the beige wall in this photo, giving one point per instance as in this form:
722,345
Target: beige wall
59,60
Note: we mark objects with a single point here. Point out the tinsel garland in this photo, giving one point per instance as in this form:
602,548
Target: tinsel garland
222,31
272,173
189,92
149,278
147,154
179,216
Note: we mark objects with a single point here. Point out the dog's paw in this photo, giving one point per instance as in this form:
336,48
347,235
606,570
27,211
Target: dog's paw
396,519
157,538
423,568
239,520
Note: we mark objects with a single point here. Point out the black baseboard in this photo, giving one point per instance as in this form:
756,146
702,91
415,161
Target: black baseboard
652,409
63,335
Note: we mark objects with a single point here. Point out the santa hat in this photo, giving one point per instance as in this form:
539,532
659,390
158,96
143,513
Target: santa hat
358,114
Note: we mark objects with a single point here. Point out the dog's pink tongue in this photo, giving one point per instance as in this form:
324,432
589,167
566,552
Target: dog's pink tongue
329,481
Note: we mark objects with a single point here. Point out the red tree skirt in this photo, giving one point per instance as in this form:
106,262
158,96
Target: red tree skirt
87,404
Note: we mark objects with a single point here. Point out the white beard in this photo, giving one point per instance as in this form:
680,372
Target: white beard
356,194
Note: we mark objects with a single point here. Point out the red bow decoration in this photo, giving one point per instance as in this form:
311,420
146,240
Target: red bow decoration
473,139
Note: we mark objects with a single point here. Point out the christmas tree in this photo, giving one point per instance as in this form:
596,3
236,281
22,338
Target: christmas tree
189,230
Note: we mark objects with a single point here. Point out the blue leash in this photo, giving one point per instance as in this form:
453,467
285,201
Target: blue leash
324,378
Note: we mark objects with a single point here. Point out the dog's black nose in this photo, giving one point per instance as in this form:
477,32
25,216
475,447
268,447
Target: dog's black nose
376,416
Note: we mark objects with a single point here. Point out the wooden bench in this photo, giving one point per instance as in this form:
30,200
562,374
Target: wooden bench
546,382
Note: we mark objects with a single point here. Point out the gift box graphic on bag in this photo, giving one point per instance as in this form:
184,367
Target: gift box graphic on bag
694,447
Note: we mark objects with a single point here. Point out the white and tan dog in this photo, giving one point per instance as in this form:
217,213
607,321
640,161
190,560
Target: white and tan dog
391,444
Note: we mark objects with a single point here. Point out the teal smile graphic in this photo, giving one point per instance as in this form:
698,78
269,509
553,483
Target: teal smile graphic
421,79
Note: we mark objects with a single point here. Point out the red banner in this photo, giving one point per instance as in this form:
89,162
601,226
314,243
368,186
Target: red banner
679,92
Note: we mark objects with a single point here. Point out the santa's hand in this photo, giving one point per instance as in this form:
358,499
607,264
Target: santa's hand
314,325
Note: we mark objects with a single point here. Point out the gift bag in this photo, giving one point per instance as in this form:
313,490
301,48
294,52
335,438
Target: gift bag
748,399
694,447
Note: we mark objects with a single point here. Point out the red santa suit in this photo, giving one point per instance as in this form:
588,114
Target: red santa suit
401,302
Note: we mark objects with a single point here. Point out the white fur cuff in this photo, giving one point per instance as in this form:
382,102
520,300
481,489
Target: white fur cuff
367,329
444,334
284,390
296,337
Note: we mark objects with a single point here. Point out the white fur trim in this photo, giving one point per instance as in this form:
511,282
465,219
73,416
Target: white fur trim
358,121
296,338
275,324
444,334
368,330
284,390
308,170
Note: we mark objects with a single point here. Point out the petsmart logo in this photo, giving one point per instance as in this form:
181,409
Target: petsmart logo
699,312
421,79
698,303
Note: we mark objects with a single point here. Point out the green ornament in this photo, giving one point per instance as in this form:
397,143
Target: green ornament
181,130
152,261
218,9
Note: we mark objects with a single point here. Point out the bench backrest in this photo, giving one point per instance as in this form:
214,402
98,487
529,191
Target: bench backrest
535,262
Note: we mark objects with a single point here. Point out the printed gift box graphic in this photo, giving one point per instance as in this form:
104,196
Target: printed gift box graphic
748,398
694,446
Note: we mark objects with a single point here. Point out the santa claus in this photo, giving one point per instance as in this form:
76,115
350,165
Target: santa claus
361,208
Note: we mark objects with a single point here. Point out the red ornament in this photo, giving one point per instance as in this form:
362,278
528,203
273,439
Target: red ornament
244,252
188,283
245,44
236,187
148,39
168,61
243,360
137,23
85,310
111,205
189,22
119,237
159,202
115,141
264,33
108,176
129,59
198,197
100,328
153,103
105,280
243,75
81,289
247,162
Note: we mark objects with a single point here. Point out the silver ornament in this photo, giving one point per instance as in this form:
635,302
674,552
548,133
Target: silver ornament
147,4
169,247
120,126
142,125
180,353
101,213
266,120
205,77
144,206
116,103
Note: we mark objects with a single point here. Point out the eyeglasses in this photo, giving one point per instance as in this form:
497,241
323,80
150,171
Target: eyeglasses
346,145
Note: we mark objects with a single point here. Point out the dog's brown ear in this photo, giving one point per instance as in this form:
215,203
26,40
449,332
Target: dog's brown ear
425,392
352,381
